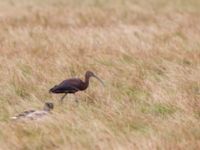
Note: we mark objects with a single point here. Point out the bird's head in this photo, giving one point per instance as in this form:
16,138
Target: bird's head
91,74
48,106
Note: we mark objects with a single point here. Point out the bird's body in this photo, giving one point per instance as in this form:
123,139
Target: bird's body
31,114
73,85
34,114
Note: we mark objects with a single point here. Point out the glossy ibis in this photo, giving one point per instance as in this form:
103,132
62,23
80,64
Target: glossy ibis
35,114
73,85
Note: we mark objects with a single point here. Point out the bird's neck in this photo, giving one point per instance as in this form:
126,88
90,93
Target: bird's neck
46,108
86,82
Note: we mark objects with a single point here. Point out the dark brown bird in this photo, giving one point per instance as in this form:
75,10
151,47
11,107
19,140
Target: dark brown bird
73,85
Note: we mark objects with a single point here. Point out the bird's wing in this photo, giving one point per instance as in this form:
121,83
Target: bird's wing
68,85
23,114
37,114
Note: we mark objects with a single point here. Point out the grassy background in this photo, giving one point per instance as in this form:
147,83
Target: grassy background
147,52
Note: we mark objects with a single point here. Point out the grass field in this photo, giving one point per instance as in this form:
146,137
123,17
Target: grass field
146,51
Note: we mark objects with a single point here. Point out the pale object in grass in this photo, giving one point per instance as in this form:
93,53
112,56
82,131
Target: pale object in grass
34,114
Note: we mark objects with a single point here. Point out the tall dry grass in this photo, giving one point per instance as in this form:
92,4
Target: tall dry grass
147,52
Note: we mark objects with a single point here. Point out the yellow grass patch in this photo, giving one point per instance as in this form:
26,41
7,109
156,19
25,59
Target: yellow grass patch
147,52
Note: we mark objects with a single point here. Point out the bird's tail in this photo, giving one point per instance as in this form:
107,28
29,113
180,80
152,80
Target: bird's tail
52,89
14,118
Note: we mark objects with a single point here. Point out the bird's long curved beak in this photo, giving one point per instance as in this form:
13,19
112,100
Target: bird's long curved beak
99,80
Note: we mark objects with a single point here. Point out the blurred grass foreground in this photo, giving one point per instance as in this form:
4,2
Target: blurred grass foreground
147,53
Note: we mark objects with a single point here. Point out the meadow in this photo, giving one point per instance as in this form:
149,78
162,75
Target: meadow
146,51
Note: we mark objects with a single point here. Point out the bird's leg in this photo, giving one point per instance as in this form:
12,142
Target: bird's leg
76,100
61,100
